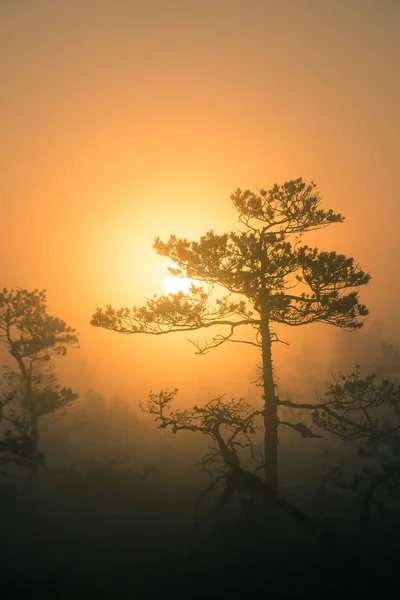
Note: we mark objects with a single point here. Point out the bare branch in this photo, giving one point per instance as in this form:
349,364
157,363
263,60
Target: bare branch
304,431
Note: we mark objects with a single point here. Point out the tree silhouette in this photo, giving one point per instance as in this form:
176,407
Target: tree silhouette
30,391
229,424
279,281
365,412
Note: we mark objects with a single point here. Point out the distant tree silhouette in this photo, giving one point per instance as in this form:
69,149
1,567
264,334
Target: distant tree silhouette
263,263
365,411
29,390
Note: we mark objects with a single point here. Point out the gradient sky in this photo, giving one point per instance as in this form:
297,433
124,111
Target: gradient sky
124,120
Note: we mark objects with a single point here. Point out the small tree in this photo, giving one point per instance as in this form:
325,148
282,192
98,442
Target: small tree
263,264
30,390
364,412
229,424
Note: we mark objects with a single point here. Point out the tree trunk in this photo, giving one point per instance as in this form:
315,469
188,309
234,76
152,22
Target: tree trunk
34,423
35,434
270,405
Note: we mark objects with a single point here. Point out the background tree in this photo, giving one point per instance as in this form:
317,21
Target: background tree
29,390
365,412
279,281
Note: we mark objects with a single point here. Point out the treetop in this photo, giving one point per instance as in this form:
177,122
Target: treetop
292,207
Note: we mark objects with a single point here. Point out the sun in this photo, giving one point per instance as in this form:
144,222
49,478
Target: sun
174,285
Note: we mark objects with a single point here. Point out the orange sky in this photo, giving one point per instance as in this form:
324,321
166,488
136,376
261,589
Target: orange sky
125,120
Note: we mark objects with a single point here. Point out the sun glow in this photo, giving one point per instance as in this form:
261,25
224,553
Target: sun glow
174,285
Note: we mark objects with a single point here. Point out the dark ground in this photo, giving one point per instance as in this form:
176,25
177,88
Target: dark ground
114,538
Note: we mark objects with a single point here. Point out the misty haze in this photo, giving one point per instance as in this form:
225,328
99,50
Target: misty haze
199,333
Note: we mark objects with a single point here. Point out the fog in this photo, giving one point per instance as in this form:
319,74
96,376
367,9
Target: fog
121,124
125,121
